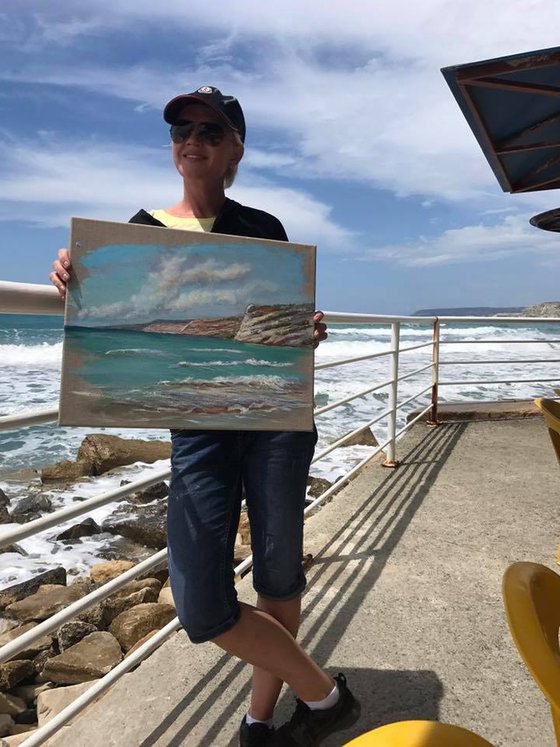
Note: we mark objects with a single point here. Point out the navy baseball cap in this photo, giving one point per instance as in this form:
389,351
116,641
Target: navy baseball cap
227,107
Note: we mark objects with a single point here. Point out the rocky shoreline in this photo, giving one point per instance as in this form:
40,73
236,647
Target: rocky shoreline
43,679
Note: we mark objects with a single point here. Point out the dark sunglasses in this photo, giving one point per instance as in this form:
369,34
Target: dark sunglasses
209,132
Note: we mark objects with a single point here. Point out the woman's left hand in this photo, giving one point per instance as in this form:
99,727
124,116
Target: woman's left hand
320,332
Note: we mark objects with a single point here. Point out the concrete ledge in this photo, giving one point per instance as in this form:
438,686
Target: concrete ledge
504,410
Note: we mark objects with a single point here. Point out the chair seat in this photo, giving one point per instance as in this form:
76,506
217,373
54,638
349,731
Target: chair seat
419,734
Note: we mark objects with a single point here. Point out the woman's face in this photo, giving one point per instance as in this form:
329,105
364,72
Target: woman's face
196,159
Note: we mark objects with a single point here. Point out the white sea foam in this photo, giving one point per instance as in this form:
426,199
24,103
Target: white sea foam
38,356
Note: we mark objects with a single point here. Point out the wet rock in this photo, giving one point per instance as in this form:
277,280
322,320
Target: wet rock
14,672
5,517
44,643
18,591
13,548
105,452
31,504
4,500
156,492
72,632
148,525
91,658
120,548
47,601
66,471
85,528
100,573
133,624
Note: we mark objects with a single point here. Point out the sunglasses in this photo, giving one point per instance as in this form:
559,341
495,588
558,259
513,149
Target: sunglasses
209,132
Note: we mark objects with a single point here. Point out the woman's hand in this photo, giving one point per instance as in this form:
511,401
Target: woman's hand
320,332
61,272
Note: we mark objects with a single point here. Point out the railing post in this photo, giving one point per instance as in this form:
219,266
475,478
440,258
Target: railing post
433,419
393,392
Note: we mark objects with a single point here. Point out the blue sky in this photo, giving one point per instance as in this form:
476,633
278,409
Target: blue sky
353,138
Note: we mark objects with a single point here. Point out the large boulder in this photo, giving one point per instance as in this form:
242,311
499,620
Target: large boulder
91,658
153,493
133,624
73,632
31,504
51,702
42,644
105,452
66,471
362,438
100,573
11,704
14,672
112,608
18,591
85,528
47,601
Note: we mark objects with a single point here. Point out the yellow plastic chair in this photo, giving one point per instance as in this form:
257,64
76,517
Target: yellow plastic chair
419,734
551,411
532,600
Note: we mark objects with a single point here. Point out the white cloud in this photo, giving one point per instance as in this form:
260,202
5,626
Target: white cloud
476,243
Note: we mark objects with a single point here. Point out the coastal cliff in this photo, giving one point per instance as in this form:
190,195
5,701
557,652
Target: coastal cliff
547,308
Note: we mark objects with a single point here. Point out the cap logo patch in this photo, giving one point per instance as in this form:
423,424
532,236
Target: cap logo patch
205,89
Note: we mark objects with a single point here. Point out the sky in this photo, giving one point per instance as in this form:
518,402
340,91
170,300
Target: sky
354,139
139,283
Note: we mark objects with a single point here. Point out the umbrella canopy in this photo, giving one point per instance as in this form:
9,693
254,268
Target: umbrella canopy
512,105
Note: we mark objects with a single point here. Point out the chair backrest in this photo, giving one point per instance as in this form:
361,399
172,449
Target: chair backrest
532,602
551,411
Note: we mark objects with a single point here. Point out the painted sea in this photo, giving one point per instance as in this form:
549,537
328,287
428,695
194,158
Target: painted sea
30,364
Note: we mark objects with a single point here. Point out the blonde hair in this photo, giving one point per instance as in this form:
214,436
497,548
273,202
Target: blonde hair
231,173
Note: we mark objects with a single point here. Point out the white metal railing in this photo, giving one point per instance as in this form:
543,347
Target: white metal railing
34,299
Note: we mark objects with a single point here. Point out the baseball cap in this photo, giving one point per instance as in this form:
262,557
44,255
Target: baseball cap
227,107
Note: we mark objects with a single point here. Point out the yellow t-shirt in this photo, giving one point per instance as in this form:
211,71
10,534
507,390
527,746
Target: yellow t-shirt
187,224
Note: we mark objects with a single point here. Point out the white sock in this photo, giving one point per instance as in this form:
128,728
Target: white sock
250,720
328,702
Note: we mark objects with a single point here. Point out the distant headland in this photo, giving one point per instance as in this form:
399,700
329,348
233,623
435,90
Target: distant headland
547,308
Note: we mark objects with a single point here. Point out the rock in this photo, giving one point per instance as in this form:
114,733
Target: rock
51,702
13,672
6,723
66,471
363,438
244,529
317,486
547,308
92,616
44,643
148,525
11,704
4,500
25,588
121,548
47,601
23,729
72,632
91,658
166,596
13,548
112,608
137,585
141,642
5,517
135,623
28,717
16,739
32,504
30,693
156,492
241,553
100,573
85,528
106,452
39,664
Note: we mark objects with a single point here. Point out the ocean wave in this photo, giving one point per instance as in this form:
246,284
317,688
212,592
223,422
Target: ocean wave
260,381
248,362
36,356
135,351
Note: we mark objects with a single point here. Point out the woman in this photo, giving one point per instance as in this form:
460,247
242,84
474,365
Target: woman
210,468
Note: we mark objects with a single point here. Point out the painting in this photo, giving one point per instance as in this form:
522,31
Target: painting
166,328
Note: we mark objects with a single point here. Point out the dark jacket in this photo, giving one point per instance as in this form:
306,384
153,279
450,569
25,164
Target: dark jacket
233,219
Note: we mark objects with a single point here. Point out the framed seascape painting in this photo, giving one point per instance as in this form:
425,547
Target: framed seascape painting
167,328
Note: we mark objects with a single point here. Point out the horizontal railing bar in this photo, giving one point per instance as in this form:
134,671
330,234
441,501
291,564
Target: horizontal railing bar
29,417
509,360
10,650
497,381
341,317
321,410
39,736
500,319
417,347
342,361
413,373
411,422
84,507
501,341
29,298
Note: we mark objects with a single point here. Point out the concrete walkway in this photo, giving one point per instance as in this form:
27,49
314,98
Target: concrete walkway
404,596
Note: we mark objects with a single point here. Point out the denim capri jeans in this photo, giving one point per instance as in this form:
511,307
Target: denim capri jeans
208,471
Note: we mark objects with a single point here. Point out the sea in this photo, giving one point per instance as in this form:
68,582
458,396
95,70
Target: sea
30,366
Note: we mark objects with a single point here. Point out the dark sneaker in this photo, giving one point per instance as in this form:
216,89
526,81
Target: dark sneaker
256,735
307,728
